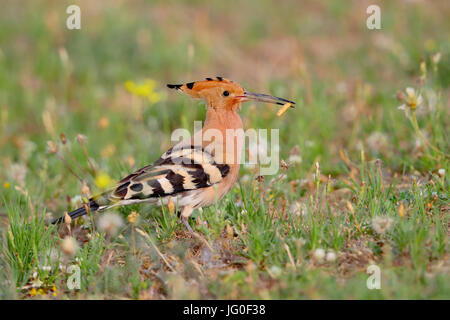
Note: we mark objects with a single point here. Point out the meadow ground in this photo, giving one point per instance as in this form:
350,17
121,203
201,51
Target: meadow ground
366,183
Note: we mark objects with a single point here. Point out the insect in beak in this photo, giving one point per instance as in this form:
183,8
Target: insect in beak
263,98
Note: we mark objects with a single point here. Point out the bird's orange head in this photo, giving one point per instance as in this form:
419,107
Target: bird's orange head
221,93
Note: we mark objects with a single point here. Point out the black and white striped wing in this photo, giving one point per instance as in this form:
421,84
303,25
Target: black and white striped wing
176,171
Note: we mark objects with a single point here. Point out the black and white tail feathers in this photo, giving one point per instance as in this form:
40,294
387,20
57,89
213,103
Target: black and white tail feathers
93,206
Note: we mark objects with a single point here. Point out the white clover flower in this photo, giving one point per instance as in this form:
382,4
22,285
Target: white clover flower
381,224
275,271
319,254
331,256
110,223
441,172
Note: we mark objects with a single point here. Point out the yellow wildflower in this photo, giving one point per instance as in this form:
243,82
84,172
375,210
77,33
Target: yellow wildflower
133,217
6,185
103,180
145,90
33,292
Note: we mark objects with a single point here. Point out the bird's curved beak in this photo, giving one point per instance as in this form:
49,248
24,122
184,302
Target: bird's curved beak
264,98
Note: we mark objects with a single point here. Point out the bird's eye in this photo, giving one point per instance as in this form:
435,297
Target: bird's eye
226,93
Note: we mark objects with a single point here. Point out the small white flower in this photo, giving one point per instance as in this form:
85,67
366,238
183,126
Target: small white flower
441,172
46,268
412,100
36,282
275,271
381,224
319,254
110,223
331,256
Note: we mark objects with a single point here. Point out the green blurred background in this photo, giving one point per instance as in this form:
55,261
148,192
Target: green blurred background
319,53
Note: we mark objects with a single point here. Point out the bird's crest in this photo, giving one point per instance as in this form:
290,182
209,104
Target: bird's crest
194,88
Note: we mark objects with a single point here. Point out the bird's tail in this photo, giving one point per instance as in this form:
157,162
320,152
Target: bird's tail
96,203
92,206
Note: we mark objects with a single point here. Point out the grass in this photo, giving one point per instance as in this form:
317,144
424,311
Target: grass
371,187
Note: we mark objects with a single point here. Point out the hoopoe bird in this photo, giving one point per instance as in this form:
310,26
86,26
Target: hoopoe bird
199,170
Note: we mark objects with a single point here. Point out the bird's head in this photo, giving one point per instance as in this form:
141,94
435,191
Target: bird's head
221,93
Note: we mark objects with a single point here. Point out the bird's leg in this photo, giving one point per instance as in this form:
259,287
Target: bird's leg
184,218
186,223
